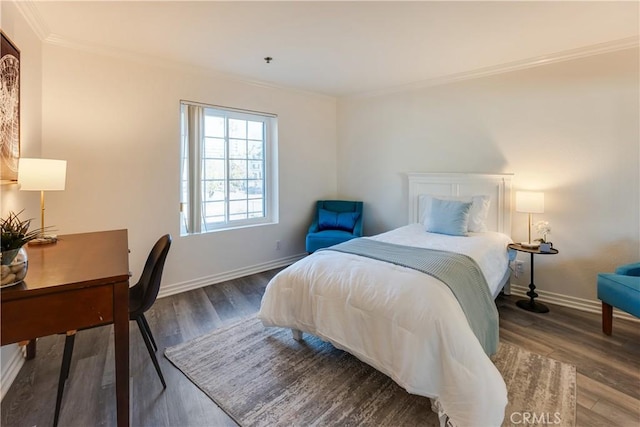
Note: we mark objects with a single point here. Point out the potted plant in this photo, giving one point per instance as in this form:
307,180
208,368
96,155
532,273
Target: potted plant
13,257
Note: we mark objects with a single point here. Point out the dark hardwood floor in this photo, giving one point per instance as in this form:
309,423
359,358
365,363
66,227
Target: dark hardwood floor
608,367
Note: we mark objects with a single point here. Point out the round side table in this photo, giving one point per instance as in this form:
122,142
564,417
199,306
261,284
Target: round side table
530,304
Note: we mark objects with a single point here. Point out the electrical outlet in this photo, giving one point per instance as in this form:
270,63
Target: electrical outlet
277,245
519,268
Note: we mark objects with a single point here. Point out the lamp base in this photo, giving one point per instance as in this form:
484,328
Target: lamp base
44,240
530,245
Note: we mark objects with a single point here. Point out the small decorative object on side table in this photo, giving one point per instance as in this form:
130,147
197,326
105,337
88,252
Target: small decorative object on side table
531,304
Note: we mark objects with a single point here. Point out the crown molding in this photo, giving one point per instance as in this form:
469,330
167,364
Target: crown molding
36,22
30,13
567,55
118,53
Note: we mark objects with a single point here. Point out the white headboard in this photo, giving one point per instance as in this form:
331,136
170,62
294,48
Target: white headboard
496,186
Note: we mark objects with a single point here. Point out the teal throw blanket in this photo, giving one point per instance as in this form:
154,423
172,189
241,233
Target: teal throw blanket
459,272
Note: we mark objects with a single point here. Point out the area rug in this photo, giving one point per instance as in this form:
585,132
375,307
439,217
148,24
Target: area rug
263,377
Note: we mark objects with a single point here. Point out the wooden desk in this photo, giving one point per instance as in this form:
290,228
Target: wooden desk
79,282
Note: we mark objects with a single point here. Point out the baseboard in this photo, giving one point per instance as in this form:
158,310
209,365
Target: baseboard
176,288
591,306
11,365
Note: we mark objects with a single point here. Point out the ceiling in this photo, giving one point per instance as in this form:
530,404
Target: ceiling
337,48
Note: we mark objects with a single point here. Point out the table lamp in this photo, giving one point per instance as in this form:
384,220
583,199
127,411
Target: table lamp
42,175
530,202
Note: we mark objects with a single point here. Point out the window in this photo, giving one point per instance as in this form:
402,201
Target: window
228,176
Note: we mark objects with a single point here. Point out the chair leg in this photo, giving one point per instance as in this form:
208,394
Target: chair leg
64,372
152,353
607,318
148,329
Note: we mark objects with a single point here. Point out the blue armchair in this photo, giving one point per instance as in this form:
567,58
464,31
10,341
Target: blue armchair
620,290
334,221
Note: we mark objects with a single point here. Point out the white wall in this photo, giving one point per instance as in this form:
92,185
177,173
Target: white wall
116,122
570,129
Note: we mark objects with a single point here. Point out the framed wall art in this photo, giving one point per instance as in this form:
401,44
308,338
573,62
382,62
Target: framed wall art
9,109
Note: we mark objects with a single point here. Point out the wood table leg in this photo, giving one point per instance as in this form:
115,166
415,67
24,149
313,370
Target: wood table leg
607,318
121,343
29,347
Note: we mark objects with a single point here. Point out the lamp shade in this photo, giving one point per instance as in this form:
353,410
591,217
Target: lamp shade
530,201
42,174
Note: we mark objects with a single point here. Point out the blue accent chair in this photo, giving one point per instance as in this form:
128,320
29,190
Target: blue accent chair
334,221
620,290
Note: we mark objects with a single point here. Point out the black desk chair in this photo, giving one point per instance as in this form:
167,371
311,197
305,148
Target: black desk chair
142,295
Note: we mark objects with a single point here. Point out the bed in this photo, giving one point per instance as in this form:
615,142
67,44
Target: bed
402,321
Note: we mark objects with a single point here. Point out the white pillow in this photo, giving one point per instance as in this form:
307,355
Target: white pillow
477,214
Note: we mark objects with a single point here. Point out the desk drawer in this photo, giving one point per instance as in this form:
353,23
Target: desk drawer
40,316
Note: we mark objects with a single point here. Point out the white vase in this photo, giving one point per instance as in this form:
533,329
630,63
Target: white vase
14,264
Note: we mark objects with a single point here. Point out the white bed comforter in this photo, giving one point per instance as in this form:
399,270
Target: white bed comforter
402,322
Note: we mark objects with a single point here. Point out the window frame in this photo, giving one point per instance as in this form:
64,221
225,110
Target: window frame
268,161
